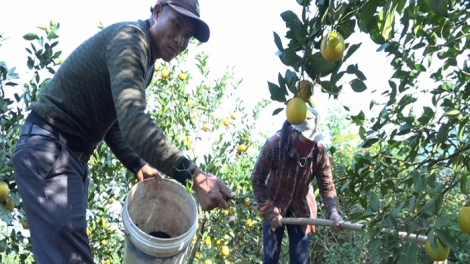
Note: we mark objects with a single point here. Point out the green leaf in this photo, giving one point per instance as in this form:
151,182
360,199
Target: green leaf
374,201
387,29
277,111
358,85
316,64
366,14
453,112
446,239
417,181
463,183
290,58
30,36
354,69
52,35
412,253
443,133
278,41
282,83
438,6
276,93
442,222
351,50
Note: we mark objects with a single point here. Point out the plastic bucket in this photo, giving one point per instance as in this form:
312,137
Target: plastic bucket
160,220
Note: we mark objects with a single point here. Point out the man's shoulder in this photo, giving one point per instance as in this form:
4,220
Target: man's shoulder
119,26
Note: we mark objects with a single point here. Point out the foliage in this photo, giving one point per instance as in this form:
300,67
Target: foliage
413,161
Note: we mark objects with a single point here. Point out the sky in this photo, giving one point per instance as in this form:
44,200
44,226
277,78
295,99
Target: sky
241,37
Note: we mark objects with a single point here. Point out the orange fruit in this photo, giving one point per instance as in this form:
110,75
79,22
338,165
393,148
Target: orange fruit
225,251
182,76
463,219
233,116
165,73
9,204
296,111
241,148
4,191
226,122
441,254
334,48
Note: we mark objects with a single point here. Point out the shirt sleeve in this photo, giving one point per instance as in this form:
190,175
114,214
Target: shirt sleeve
258,180
325,181
122,150
128,58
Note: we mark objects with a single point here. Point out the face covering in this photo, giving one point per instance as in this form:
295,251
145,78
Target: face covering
302,148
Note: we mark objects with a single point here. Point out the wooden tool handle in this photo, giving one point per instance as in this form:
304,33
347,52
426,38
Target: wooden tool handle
322,222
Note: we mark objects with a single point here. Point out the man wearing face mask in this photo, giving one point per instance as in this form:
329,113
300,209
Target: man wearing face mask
282,184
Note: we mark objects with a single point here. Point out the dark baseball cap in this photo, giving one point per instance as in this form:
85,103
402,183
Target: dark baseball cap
190,8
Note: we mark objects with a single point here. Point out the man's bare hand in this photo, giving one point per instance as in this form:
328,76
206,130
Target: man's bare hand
147,172
337,220
211,191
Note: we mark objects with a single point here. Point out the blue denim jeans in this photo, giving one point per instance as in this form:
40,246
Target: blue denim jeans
298,244
53,185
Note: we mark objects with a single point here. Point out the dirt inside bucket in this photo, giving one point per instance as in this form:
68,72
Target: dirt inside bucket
159,234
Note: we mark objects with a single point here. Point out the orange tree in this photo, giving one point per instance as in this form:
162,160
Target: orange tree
411,171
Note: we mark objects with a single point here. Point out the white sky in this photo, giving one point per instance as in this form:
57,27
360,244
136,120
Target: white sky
241,36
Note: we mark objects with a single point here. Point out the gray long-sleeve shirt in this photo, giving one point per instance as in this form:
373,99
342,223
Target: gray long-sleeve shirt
99,93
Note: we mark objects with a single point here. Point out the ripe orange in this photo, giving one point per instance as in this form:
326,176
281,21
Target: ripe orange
225,251
463,219
205,127
165,73
233,116
247,202
4,191
182,76
241,148
249,223
296,111
226,122
334,48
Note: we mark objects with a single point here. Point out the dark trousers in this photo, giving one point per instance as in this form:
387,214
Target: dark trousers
298,244
53,185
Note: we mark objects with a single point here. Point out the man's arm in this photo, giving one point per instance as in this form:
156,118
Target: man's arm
258,181
325,181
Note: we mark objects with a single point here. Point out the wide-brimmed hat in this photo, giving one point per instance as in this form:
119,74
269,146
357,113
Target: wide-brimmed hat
309,128
190,8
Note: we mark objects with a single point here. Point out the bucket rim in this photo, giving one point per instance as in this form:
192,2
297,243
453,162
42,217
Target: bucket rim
148,236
